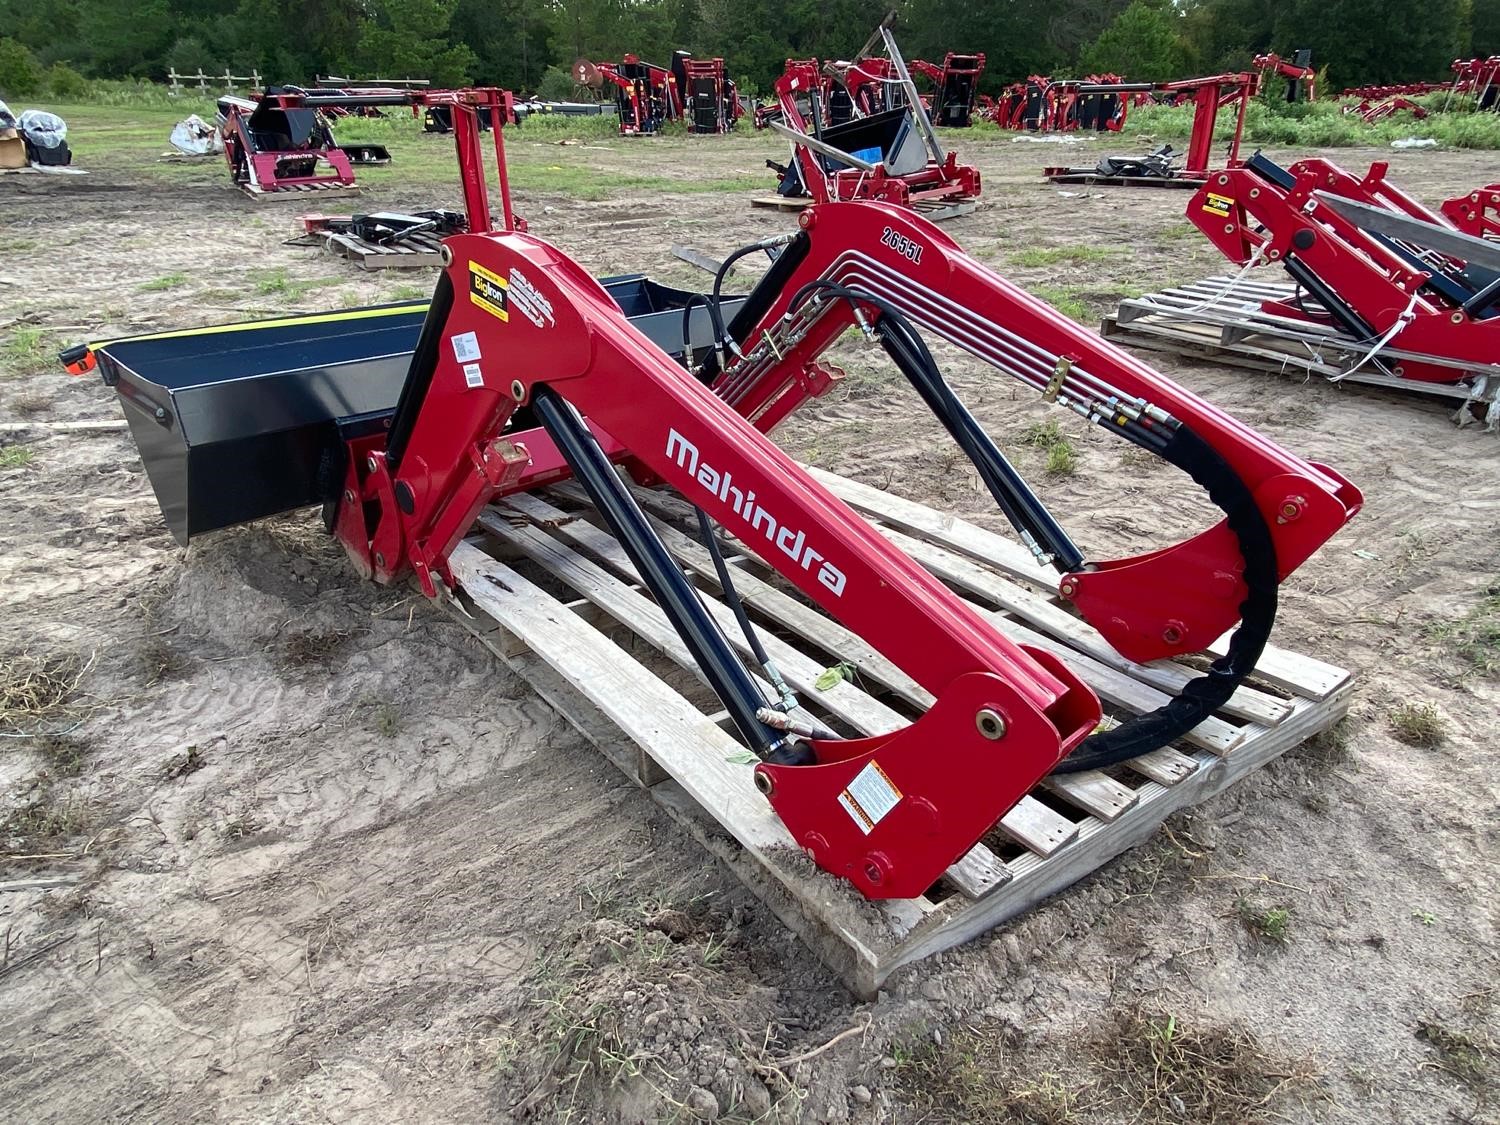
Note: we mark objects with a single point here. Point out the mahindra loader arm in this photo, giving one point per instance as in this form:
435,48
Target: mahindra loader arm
516,325
526,372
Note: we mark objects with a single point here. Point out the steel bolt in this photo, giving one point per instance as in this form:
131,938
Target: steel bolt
348,495
1172,634
991,724
379,560
1068,589
764,783
1292,507
371,464
518,391
160,413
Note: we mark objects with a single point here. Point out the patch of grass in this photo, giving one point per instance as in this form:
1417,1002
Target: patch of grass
30,404
34,688
159,661
1329,749
1147,1069
1269,924
383,718
1173,1071
1465,1056
24,345
1474,637
310,646
15,457
409,293
1065,300
278,283
1055,255
1062,458
64,756
47,816
161,284
1418,724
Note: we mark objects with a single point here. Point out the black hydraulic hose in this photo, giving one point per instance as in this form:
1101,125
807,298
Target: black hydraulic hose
671,589
419,374
1206,694
721,568
1022,507
716,314
1201,697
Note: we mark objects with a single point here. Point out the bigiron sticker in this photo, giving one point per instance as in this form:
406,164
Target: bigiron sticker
489,291
1218,205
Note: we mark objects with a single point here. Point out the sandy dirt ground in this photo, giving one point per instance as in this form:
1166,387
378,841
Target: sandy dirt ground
313,856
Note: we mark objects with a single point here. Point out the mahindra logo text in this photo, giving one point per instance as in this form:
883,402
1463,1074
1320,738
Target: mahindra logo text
789,541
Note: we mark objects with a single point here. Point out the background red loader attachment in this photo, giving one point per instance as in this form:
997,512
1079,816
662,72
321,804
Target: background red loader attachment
886,150
526,371
1208,96
1379,288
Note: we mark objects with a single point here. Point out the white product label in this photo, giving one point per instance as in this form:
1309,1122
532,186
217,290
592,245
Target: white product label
870,797
465,347
473,376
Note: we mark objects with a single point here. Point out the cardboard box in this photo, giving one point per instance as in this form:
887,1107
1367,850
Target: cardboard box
12,149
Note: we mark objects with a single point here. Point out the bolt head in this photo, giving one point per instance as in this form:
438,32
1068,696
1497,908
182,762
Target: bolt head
379,559
990,723
371,464
348,495
518,391
1173,633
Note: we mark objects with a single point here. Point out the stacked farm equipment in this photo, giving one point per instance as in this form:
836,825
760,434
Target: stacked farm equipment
695,91
955,88
859,130
1097,103
428,432
1208,96
1378,288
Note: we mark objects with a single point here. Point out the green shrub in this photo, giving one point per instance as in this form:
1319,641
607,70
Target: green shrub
20,73
557,85
65,82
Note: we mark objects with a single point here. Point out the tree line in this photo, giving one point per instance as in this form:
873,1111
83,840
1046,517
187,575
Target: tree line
527,45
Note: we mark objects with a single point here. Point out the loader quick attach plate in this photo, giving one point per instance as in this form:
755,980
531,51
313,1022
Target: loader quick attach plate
239,421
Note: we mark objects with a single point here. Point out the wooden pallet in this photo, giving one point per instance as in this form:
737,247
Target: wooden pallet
555,598
410,253
1222,319
304,192
1082,176
932,210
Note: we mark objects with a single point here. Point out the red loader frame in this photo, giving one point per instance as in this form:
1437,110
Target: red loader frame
871,156
526,372
1477,213
955,87
1382,267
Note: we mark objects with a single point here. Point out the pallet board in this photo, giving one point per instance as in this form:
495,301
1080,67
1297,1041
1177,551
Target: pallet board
553,595
416,252
934,211
304,192
1083,176
1223,319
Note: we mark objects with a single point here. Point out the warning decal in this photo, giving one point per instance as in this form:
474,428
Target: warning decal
1218,205
870,796
489,291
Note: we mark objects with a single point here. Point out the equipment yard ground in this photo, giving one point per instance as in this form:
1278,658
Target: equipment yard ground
304,851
